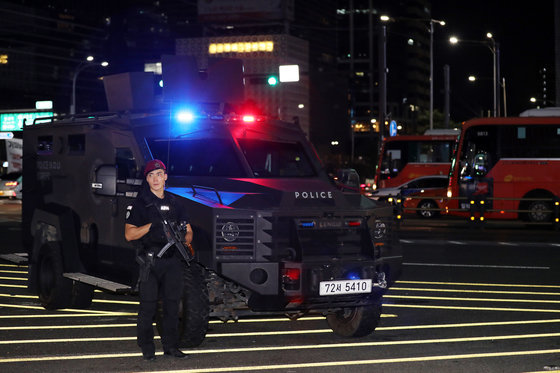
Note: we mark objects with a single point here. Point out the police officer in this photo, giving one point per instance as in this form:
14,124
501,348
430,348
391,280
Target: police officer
164,279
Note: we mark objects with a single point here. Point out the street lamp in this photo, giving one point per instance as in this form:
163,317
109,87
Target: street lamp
495,49
82,66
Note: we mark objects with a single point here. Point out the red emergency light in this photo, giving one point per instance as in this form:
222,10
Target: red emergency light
249,118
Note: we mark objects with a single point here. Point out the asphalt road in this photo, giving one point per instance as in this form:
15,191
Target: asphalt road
469,300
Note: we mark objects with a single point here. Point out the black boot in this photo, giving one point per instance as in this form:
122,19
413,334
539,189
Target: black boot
175,353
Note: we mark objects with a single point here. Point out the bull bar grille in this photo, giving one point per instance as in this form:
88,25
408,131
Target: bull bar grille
235,237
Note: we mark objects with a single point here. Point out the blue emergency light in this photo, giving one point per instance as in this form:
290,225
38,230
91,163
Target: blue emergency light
184,116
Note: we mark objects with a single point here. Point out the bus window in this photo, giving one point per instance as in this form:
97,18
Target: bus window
479,143
407,157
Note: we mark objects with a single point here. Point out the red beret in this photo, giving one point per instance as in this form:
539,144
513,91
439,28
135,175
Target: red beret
154,164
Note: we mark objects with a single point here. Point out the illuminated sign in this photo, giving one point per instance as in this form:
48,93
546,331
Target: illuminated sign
14,121
241,47
289,73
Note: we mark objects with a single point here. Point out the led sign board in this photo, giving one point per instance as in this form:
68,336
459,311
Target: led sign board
241,47
14,121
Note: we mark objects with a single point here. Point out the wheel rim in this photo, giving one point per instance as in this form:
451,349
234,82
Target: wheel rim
425,210
538,212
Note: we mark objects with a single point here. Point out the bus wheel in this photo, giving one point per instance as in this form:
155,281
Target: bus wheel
427,209
356,321
539,212
55,291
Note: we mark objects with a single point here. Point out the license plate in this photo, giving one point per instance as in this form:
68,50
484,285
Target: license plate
345,287
465,206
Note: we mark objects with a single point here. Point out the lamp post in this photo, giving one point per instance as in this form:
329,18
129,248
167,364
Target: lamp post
386,18
495,49
82,66
442,23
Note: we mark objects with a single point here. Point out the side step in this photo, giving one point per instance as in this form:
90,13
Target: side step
18,258
99,282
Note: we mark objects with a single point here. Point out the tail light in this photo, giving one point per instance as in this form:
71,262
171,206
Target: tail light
291,278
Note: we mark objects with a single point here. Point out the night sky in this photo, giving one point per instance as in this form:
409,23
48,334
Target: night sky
525,33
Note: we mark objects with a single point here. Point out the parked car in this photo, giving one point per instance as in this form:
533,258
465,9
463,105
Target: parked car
423,195
10,185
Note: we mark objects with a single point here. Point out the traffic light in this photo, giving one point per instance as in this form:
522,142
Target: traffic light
272,80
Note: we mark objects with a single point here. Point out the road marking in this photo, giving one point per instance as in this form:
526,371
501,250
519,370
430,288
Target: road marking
367,362
9,271
471,291
476,284
13,278
505,300
299,347
474,266
257,333
475,243
321,346
507,243
471,308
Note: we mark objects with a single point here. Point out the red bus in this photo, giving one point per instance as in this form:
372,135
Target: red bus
405,158
511,164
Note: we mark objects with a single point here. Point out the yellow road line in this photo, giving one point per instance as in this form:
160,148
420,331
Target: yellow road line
472,299
472,291
13,278
8,271
365,362
243,334
280,348
470,308
476,284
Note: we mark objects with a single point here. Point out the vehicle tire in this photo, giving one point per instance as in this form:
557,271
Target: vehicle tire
82,295
355,322
193,308
427,209
55,291
539,212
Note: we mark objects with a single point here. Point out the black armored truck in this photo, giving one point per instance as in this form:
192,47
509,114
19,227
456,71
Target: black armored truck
272,232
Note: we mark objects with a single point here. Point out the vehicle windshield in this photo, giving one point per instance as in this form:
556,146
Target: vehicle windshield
398,154
217,157
276,159
198,157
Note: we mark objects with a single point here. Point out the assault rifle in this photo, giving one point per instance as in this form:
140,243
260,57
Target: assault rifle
174,238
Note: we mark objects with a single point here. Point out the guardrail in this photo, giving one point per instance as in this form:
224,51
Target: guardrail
478,208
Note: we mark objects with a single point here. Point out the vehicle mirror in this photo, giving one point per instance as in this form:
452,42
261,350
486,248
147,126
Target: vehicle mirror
134,181
349,177
105,182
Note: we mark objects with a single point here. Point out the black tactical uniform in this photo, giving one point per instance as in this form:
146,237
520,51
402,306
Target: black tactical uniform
165,279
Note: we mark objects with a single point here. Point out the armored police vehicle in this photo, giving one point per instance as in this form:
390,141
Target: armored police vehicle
272,233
